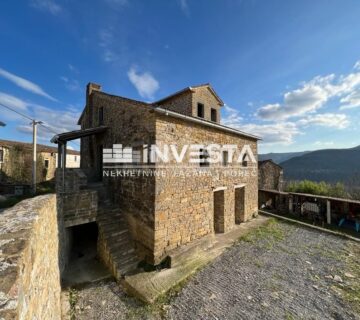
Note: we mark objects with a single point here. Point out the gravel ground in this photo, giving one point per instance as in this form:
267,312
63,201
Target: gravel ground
280,272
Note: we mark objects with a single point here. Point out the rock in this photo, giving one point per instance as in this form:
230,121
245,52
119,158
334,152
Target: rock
266,305
249,297
87,307
103,302
349,275
308,262
338,278
329,277
213,296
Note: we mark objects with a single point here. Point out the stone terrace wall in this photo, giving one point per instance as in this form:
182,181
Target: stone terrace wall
29,271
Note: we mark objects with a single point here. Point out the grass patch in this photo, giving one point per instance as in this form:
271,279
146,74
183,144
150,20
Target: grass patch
271,233
351,289
73,299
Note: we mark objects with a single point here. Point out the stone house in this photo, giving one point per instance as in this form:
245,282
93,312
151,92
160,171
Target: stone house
160,213
16,163
271,175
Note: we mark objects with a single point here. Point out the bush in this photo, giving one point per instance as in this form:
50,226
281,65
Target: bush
318,188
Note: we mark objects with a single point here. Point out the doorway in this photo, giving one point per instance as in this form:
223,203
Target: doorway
239,205
84,265
219,211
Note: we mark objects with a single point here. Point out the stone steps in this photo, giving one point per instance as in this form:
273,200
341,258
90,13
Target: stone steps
115,244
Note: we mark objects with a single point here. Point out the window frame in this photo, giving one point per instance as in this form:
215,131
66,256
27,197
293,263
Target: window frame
213,114
101,116
225,160
200,106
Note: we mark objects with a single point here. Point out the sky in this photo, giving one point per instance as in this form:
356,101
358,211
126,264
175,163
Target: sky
288,71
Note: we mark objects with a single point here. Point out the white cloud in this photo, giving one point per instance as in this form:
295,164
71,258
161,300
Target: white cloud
281,132
145,83
276,133
47,5
338,121
233,118
12,102
351,101
54,121
310,97
184,7
71,84
357,65
25,84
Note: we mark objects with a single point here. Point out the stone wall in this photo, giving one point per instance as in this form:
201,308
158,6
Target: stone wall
130,123
29,270
166,212
16,166
76,204
186,103
270,176
184,205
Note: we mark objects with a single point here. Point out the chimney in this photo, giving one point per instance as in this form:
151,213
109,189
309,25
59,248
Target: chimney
90,88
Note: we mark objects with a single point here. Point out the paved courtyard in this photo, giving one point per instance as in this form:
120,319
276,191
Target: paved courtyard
281,271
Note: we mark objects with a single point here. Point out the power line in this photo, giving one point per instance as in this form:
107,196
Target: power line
21,114
44,126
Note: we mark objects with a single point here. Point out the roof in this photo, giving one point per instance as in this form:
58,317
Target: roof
76,134
262,162
40,147
191,88
205,123
154,106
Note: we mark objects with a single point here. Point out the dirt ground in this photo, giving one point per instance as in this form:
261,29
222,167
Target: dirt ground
281,271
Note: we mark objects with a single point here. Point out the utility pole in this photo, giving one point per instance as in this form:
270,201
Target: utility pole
34,124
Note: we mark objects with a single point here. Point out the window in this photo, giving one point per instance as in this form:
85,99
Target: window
244,161
213,115
1,155
75,158
200,110
225,158
204,155
101,116
46,163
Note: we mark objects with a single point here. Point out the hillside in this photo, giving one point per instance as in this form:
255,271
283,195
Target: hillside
330,165
280,157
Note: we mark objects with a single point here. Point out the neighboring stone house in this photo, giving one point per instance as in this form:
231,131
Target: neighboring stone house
16,162
270,175
163,211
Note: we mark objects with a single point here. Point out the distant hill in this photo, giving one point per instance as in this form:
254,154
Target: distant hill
329,165
281,157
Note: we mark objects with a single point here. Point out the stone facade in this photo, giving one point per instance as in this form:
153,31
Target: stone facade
76,204
16,162
186,102
29,268
270,176
165,213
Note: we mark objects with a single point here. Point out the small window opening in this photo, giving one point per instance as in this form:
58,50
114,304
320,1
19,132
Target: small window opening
200,110
213,115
